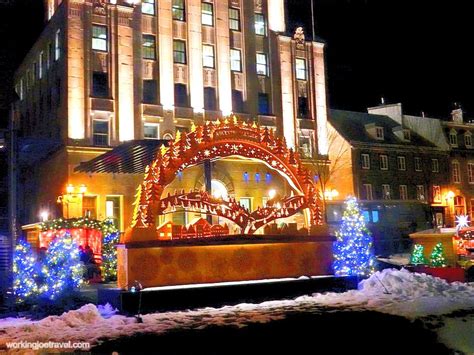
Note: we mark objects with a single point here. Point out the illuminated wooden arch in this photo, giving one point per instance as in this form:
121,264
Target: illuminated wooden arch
214,141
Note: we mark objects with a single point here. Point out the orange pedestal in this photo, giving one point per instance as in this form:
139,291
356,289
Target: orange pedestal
166,263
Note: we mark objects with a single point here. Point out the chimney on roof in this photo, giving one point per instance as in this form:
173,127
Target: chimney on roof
457,114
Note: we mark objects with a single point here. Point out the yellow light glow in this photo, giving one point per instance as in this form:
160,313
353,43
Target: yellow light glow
272,193
450,195
70,189
44,215
83,189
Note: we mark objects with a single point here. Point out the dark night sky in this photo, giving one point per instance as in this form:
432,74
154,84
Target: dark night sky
418,55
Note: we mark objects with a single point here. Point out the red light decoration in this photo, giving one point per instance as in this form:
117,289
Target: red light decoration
214,141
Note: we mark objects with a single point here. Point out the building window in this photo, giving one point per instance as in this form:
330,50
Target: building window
210,100
383,162
99,38
303,107
179,52
401,162
236,60
178,10
468,140
453,138
262,64
100,85
418,164
148,47
420,192
435,165
207,14
150,92
100,133
300,69
89,207
263,104
113,210
181,95
57,45
40,65
260,25
208,56
456,172
148,7
365,158
437,194
151,131
386,192
470,172
306,148
368,192
379,133
237,101
406,135
50,55
234,19
403,192
246,202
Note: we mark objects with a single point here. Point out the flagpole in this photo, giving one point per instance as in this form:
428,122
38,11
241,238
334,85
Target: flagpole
312,21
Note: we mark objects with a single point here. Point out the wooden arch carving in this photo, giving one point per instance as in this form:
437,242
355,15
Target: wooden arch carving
213,141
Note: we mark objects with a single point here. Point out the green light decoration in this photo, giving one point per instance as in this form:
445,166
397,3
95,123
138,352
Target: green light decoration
353,252
417,256
25,273
438,258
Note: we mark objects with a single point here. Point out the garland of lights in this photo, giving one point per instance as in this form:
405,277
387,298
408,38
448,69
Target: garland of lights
25,272
353,252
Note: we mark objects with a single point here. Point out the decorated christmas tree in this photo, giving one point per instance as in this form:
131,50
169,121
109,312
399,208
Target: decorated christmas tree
353,253
63,269
438,258
24,272
417,256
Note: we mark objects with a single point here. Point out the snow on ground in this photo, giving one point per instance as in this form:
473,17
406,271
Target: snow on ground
389,291
397,259
458,333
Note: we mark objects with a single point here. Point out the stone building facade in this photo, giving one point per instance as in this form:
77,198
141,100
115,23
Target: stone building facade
107,72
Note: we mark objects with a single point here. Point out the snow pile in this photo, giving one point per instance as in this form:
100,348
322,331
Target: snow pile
397,259
401,292
406,294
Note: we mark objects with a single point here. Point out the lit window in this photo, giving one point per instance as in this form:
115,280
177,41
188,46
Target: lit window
468,140
379,133
453,138
57,45
470,172
179,52
234,19
456,172
420,192
207,14
262,64
365,161
178,10
149,47
300,69
386,192
246,202
151,131
436,193
402,165
99,38
368,192
418,164
403,192
100,133
435,165
148,7
260,25
383,162
235,60
208,56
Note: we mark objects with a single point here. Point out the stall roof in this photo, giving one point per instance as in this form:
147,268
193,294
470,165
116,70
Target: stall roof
128,158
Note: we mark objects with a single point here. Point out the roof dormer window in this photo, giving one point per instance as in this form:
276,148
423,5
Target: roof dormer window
406,135
468,139
453,138
379,133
